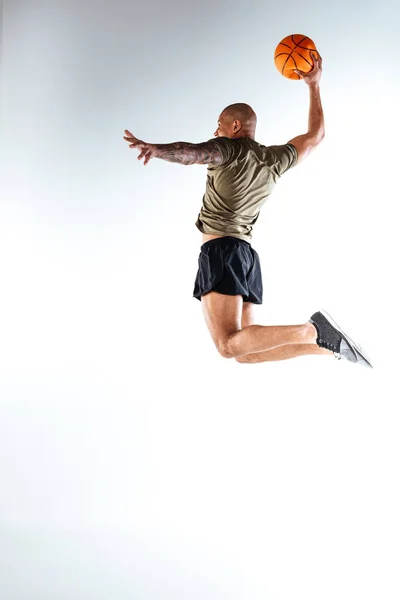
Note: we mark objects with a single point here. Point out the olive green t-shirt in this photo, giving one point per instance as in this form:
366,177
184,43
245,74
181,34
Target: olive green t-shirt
238,187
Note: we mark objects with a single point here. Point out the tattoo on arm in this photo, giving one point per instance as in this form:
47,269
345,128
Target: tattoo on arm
189,154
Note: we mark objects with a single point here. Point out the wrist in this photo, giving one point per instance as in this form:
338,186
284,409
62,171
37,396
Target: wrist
155,150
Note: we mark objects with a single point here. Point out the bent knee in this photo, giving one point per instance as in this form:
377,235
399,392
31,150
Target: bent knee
225,352
224,348
244,360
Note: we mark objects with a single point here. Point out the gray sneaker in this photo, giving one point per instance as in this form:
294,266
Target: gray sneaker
331,337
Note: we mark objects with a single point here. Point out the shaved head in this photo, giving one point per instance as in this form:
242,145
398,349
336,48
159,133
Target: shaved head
237,120
242,112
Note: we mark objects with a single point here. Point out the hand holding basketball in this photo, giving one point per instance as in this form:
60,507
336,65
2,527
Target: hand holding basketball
293,56
313,76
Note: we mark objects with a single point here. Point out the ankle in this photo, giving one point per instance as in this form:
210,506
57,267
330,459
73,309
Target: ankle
310,333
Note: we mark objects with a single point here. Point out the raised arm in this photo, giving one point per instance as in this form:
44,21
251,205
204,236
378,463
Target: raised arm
183,153
316,126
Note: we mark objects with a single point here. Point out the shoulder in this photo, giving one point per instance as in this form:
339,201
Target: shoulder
284,154
223,150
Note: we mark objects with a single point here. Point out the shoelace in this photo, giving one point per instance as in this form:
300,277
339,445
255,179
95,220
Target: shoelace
327,345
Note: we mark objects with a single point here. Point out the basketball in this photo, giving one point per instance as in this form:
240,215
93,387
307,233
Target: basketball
293,52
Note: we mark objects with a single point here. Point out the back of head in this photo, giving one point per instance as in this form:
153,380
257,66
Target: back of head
243,113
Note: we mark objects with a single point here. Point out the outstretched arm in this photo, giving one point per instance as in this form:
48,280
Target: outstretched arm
184,153
316,127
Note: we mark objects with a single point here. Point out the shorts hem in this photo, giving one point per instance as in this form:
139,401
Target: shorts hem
245,298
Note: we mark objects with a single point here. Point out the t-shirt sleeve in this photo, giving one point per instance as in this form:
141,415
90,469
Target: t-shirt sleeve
282,158
228,148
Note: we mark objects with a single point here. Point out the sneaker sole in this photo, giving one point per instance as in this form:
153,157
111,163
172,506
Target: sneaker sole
348,339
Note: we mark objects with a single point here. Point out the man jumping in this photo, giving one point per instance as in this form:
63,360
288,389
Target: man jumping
241,175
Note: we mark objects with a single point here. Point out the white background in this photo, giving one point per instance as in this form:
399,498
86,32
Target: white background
135,462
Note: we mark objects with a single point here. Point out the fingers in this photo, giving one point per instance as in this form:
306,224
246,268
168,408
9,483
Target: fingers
316,64
129,137
316,58
146,154
145,151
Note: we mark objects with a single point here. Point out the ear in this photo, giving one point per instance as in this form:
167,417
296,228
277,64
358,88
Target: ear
237,126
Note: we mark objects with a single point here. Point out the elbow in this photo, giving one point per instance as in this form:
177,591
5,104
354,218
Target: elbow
321,132
318,137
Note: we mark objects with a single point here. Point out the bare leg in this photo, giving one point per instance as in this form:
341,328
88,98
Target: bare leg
279,353
223,316
258,338
282,353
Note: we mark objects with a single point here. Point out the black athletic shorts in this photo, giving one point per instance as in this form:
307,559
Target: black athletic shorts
228,265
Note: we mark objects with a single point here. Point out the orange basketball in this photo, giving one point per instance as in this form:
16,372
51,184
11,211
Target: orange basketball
293,52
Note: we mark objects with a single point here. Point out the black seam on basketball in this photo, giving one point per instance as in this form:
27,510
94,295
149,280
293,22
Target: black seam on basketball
284,64
293,49
295,66
282,54
301,41
305,48
307,61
